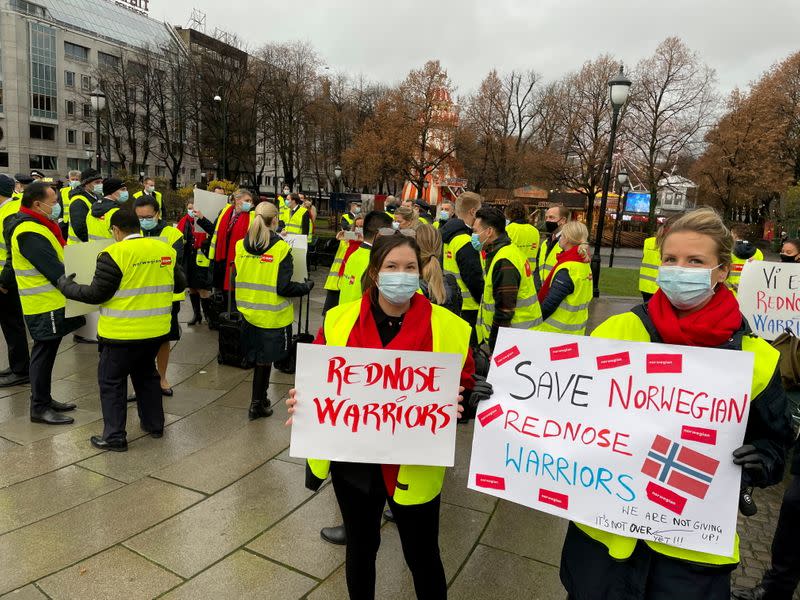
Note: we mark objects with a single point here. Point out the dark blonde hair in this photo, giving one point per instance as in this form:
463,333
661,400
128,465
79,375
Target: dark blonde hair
408,215
576,233
430,249
705,221
263,221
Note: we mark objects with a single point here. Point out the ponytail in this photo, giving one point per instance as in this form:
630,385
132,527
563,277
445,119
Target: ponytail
434,276
261,224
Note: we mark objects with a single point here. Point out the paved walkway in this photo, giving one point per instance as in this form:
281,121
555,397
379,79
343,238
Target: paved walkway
217,508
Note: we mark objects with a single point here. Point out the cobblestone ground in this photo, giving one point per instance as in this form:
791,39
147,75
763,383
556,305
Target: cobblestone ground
217,508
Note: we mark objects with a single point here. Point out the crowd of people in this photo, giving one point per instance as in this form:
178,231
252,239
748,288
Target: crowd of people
407,277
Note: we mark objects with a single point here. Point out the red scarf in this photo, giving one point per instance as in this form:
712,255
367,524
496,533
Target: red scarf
199,236
709,327
51,225
352,246
571,255
226,240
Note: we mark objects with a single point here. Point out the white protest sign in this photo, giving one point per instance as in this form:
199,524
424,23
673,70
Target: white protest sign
209,203
769,297
299,244
375,406
81,259
628,437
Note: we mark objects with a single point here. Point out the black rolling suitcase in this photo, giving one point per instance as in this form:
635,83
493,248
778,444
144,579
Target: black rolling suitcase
230,325
289,364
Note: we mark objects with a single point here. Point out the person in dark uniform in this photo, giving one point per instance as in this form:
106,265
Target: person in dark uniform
134,283
196,264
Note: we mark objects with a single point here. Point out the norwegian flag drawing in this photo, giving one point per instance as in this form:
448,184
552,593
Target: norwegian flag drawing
680,467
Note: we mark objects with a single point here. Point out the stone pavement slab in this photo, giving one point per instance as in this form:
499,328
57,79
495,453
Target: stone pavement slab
7,444
29,592
189,399
455,481
114,573
526,532
21,430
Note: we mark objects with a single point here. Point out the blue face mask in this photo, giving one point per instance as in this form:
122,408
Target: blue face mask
398,288
55,212
190,212
123,196
98,190
246,206
444,215
685,287
476,242
74,184
148,224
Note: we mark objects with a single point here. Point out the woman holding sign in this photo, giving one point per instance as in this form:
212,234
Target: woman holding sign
693,307
391,315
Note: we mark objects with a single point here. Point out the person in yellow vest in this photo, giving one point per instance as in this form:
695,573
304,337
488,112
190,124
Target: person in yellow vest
445,212
149,189
134,282
197,232
406,218
312,215
299,218
567,291
355,265
555,218
509,296
347,224
422,210
263,284
461,259
648,271
390,204
115,194
349,218
692,307
23,180
146,209
73,181
230,226
743,253
523,235
36,260
283,208
81,200
390,314
12,321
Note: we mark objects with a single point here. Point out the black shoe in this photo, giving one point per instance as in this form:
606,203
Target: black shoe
14,379
196,319
334,535
387,514
756,593
50,417
156,434
62,406
259,409
167,392
747,505
79,339
101,444
6,372
132,398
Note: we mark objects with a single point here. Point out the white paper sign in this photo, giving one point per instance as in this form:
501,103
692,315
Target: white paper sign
375,406
209,203
81,259
628,437
299,244
769,297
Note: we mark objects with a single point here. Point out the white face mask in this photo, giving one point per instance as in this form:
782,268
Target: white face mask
686,287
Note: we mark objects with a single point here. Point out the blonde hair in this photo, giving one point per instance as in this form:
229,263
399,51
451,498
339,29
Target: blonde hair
263,222
241,193
466,202
706,221
408,215
575,233
430,249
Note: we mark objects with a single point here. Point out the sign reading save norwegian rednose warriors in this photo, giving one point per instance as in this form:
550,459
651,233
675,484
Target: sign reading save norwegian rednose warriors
375,406
769,297
628,437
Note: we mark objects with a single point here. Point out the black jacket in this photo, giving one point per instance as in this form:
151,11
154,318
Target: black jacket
101,207
561,286
506,282
78,211
40,253
468,259
285,287
744,250
453,299
106,282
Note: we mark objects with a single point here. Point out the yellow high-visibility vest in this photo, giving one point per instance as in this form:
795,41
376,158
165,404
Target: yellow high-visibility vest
212,251
36,292
572,314
526,238
295,224
332,281
546,261
99,228
450,265
65,201
72,237
356,265
171,235
737,264
8,208
416,484
256,287
156,195
648,272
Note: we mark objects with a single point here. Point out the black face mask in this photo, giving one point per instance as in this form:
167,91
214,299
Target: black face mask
551,226
788,259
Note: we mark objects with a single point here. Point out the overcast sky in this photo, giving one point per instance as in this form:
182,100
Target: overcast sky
384,40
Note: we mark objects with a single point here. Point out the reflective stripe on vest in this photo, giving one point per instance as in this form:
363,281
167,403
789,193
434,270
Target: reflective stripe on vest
8,208
528,313
155,194
65,202
546,261
295,224
415,484
648,272
332,282
99,228
142,306
526,238
350,281
72,237
256,286
171,236
450,265
36,292
572,314
213,248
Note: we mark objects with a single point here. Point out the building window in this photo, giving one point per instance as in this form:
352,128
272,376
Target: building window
1,81
69,105
76,52
193,174
71,136
108,60
69,79
41,161
78,164
44,100
42,132
160,171
86,83
87,110
29,8
87,138
3,159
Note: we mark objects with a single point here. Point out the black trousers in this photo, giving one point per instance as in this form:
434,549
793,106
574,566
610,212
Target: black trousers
117,362
589,573
43,357
783,576
419,534
471,317
12,322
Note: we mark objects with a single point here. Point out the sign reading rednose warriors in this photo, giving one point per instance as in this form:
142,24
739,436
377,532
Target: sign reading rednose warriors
375,406
628,437
769,297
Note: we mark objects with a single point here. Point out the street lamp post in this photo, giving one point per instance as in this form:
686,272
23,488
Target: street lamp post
220,97
619,86
622,178
98,104
337,173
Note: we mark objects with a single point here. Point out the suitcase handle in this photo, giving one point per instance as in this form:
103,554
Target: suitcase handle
232,286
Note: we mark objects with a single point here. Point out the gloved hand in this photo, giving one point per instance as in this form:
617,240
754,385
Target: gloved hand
754,465
482,391
310,284
65,280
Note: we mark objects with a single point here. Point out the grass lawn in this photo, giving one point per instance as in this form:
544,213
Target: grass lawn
619,282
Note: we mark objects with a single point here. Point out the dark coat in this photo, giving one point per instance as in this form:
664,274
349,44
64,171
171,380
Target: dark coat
468,259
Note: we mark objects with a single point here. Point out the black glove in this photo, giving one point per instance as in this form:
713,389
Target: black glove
754,465
310,284
482,391
64,281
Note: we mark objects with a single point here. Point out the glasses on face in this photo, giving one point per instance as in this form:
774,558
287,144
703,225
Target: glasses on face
390,231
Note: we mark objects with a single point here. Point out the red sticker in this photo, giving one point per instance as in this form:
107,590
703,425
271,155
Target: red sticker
553,498
490,481
612,361
267,258
664,363
699,434
506,356
666,498
564,352
490,414
166,261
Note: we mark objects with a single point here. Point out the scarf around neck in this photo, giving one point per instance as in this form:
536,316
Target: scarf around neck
571,255
51,225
